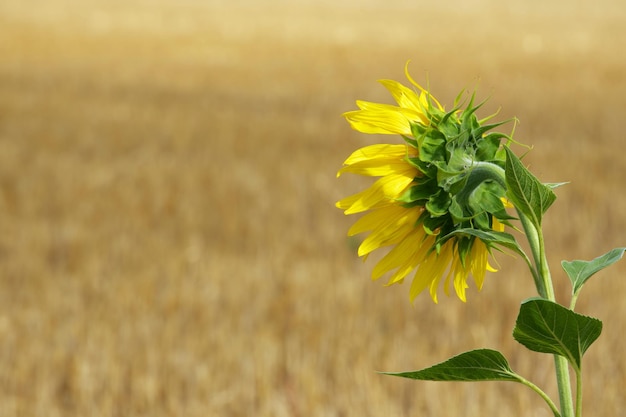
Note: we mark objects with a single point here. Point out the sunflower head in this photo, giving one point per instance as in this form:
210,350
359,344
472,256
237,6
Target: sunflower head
460,175
440,187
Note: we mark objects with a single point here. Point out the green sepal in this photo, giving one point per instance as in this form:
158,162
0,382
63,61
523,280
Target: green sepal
527,193
475,365
486,198
487,146
438,203
410,141
580,271
479,131
457,212
431,143
458,98
427,168
479,196
464,246
422,189
470,109
432,149
547,327
501,156
448,126
447,170
439,117
460,160
491,239
430,224
481,220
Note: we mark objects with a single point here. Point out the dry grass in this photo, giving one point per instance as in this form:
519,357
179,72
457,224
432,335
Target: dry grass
168,240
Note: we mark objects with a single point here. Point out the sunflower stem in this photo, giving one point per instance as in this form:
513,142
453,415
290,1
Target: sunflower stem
560,362
533,241
543,281
579,393
542,394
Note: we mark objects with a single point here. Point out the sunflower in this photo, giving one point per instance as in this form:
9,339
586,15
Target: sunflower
444,182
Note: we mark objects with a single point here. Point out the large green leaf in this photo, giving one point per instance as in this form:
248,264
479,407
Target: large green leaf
475,365
545,326
580,271
526,192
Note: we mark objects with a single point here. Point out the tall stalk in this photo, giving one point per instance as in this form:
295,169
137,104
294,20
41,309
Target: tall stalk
543,281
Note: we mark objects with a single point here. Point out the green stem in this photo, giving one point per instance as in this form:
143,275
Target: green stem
579,393
560,363
572,303
533,241
564,386
543,281
544,268
541,394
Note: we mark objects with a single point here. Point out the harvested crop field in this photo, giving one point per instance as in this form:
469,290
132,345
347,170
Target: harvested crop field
169,244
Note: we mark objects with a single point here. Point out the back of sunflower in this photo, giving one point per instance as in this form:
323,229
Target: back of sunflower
444,195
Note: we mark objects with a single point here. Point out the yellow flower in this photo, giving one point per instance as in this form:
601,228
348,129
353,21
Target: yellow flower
390,223
414,208
393,120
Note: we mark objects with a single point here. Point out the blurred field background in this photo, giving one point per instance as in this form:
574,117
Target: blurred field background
169,244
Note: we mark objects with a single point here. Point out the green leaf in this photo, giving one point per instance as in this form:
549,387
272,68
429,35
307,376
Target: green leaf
526,192
475,365
547,327
580,271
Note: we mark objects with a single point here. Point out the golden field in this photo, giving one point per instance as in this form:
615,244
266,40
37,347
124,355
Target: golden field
169,244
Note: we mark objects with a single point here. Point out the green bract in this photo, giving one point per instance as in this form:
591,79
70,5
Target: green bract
462,185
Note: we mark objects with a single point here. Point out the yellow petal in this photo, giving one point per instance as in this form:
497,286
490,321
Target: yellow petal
406,98
479,262
374,167
497,226
425,93
405,255
460,278
413,112
427,270
436,265
376,218
379,151
379,160
384,191
412,262
355,202
388,121
393,231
